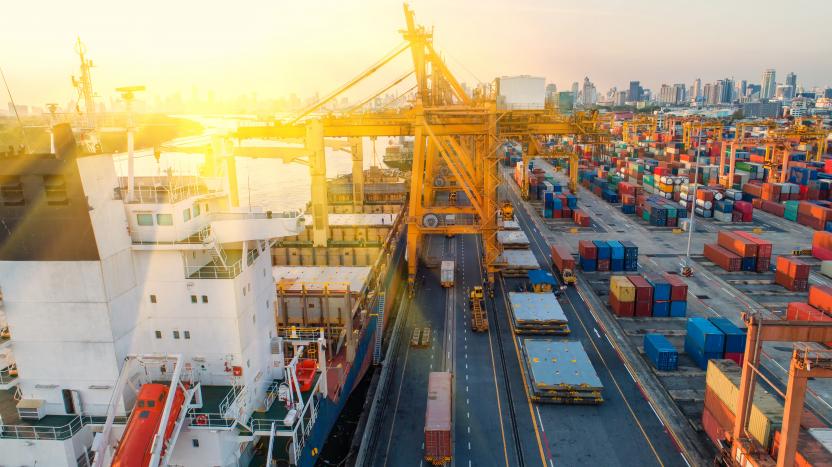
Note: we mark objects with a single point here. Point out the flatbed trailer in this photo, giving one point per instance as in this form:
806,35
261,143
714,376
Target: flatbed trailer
479,319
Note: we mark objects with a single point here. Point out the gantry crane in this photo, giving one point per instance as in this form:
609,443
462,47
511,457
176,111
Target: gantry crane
450,128
806,363
694,129
639,123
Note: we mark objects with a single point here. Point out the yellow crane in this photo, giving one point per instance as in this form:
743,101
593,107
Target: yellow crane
694,129
453,132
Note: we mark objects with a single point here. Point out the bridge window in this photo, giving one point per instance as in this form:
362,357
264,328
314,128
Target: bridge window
196,210
204,299
151,403
186,215
164,219
195,442
144,219
152,298
193,299
176,334
158,334
55,188
11,191
186,334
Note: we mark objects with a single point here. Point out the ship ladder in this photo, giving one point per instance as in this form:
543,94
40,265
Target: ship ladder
379,329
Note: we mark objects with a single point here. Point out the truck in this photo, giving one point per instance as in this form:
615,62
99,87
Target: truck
446,274
479,319
507,211
438,418
564,263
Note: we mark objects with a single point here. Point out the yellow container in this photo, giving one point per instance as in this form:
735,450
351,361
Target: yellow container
622,288
723,377
666,188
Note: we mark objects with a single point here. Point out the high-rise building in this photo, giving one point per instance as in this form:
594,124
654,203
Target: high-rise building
743,88
709,94
620,98
565,102
588,93
666,95
696,92
679,92
551,95
769,84
634,94
791,80
725,91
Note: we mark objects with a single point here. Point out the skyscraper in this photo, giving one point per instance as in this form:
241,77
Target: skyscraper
791,81
588,93
697,89
769,84
635,91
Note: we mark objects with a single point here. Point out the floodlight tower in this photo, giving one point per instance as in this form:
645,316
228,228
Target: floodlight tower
52,109
128,94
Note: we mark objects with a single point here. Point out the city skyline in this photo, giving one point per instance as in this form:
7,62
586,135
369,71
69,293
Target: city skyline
273,57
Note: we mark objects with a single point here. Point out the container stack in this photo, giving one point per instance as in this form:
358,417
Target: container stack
587,255
743,247
558,204
764,248
721,397
678,296
735,251
722,257
630,256
662,291
661,352
603,250
537,313
703,341
622,296
616,255
734,339
792,273
580,218
644,296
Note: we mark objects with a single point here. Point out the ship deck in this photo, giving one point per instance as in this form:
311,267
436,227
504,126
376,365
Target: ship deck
278,410
9,416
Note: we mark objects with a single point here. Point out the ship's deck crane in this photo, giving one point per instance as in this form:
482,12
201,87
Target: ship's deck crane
806,363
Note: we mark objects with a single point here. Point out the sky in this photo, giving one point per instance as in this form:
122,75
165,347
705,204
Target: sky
277,47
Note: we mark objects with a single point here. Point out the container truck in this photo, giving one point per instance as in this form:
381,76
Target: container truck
446,274
479,320
564,263
438,419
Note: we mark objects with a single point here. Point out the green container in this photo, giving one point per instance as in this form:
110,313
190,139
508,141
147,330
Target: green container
744,166
671,213
645,214
647,179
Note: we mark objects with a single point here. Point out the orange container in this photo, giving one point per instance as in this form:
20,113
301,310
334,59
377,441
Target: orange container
820,297
793,267
736,244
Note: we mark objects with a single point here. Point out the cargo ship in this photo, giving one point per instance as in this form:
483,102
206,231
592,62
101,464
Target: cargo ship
252,337
399,155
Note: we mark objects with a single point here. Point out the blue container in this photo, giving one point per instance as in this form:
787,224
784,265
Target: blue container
661,352
572,201
661,288
734,336
628,208
547,213
549,197
557,188
603,249
661,309
749,264
700,357
631,264
678,309
616,249
630,249
705,336
616,265
588,264
557,204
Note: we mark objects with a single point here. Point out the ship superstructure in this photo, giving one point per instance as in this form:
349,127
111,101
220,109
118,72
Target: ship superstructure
173,283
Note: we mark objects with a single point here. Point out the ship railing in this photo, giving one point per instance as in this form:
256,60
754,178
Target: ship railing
210,271
230,398
298,333
210,420
62,432
168,190
8,374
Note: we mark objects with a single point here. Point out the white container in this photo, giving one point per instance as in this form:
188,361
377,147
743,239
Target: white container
826,268
446,276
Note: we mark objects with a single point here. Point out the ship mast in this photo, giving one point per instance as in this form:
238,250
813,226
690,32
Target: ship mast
84,85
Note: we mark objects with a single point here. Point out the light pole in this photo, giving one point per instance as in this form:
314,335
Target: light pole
128,94
691,225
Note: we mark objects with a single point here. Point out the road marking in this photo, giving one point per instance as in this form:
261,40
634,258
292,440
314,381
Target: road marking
469,430
596,332
469,445
655,413
466,387
608,339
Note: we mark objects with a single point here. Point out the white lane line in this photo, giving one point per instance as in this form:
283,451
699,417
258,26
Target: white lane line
468,414
466,377
469,430
596,333
469,445
431,366
466,401
683,458
608,339
655,413
466,388
466,366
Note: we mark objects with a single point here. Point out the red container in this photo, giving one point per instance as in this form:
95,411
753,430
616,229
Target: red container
623,309
820,297
763,264
581,218
822,253
644,291
793,267
721,413
763,246
737,244
799,311
562,258
603,265
715,432
587,249
791,283
438,419
773,207
567,213
644,308
678,288
735,356
722,257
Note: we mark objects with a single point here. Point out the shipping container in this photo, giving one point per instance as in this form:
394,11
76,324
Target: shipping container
661,352
723,377
723,258
644,291
562,258
587,249
678,287
734,336
602,248
661,308
737,244
661,288
712,428
810,451
622,288
820,297
446,275
622,309
438,418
